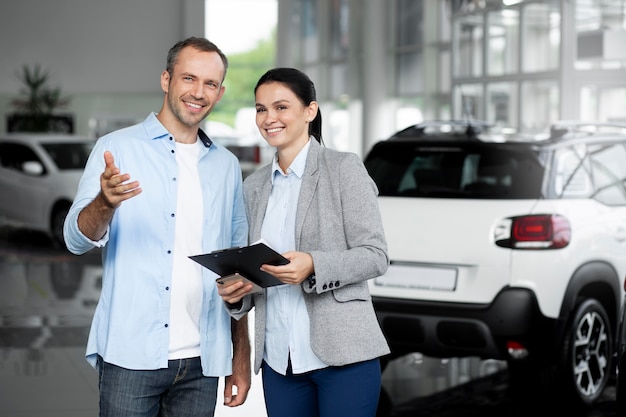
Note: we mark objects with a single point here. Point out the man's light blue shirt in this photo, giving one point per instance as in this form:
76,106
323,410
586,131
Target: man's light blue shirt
287,320
130,324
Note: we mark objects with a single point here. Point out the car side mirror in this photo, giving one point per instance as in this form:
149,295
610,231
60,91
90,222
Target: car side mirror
32,168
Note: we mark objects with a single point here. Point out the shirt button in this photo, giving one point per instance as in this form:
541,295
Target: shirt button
167,325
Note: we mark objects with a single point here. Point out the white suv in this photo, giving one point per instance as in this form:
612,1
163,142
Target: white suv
39,175
505,248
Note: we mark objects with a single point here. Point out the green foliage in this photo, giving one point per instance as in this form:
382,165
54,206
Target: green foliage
37,98
244,70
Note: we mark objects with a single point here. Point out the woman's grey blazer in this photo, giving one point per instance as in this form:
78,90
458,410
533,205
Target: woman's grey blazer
339,224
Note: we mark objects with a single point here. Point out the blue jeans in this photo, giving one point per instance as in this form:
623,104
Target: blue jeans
178,391
337,391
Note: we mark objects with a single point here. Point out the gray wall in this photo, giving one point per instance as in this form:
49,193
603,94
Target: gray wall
107,55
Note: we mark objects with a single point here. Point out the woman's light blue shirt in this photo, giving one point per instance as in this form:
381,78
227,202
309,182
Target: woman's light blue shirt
130,324
287,320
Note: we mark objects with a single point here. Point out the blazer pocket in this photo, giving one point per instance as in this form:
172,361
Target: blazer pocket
352,292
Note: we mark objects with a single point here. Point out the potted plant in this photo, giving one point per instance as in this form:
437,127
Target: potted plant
37,105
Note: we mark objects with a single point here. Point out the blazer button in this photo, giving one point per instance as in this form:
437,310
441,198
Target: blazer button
325,286
330,285
337,284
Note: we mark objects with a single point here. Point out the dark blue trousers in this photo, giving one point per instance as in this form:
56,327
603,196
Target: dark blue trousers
337,391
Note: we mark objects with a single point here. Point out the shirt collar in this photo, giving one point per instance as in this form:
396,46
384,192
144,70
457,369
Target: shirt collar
296,167
156,130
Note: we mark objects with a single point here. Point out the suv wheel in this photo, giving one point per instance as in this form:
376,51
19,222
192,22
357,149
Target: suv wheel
585,365
583,368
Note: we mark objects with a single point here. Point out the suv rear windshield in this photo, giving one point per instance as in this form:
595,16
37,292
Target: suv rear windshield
404,169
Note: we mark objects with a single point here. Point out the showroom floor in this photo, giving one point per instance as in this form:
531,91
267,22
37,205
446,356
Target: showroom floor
47,299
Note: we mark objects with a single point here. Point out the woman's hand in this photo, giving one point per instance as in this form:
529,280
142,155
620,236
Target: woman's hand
299,268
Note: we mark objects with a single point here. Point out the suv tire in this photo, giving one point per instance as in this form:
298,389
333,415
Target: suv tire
584,366
586,362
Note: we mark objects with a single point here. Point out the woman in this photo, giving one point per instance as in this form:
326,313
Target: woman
318,341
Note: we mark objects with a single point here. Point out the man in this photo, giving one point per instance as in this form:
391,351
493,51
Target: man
152,195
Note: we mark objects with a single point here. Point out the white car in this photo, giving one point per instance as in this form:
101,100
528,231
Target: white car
39,175
251,150
507,249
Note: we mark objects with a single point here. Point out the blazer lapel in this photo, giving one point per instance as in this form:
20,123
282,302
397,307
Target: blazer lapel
307,189
259,205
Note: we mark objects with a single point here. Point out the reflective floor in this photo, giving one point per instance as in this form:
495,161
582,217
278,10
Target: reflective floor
47,298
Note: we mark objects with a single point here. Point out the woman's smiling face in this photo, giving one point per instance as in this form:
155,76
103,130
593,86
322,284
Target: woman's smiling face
281,116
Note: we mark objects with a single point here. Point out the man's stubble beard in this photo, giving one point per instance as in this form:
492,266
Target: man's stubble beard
176,109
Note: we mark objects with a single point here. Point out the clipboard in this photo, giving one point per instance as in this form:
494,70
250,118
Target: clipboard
246,261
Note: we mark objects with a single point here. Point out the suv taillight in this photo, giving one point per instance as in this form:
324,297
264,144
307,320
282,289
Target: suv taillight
542,231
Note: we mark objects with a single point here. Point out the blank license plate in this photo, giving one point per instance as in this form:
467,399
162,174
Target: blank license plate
418,277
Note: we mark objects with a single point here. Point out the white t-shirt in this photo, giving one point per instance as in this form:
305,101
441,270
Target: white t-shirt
186,298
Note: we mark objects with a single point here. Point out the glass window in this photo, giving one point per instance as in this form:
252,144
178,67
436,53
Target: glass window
409,76
445,63
13,156
540,105
600,34
503,42
541,36
604,104
445,29
339,33
597,15
609,172
502,104
409,46
469,30
296,31
468,101
410,169
310,31
572,177
67,156
409,23
338,81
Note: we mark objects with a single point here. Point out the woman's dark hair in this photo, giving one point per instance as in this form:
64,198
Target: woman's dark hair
201,44
302,87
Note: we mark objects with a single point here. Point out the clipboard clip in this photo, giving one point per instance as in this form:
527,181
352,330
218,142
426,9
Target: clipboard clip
215,252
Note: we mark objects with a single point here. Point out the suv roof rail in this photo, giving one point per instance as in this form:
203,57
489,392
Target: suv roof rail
469,127
561,127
